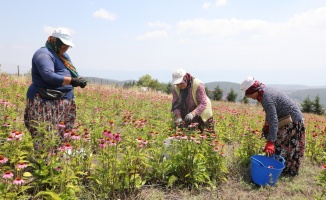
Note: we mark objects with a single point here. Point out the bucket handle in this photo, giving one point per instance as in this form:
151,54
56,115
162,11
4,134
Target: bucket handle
276,157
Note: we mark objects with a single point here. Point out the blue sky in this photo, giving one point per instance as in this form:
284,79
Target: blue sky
275,41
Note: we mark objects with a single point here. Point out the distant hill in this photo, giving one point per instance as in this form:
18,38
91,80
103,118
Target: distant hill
103,81
296,92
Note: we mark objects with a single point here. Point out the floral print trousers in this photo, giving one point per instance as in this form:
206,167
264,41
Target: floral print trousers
43,117
291,145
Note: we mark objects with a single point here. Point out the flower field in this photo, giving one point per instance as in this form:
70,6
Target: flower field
125,146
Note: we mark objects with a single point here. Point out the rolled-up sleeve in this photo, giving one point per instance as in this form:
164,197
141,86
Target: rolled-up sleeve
201,99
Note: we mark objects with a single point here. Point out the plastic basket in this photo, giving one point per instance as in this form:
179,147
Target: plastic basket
266,170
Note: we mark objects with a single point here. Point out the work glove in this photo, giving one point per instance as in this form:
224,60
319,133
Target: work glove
81,82
178,121
189,117
269,148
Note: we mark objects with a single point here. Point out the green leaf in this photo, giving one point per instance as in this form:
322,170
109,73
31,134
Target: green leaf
49,193
172,179
27,174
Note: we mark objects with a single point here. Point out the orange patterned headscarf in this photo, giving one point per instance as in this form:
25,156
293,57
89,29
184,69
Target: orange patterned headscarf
55,44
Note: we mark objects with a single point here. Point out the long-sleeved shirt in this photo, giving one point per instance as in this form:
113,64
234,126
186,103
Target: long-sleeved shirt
277,105
200,97
48,72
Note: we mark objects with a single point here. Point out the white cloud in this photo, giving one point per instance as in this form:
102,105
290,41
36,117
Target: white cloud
49,29
158,24
217,28
220,3
153,35
312,18
104,14
221,27
207,5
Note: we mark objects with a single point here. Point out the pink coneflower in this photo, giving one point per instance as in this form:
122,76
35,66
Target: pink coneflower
3,159
145,142
203,136
323,166
139,140
10,137
87,138
222,154
21,165
102,144
7,175
184,137
113,143
111,123
61,125
216,148
107,133
75,136
58,168
65,147
18,181
117,137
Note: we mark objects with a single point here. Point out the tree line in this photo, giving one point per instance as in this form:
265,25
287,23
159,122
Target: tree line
307,106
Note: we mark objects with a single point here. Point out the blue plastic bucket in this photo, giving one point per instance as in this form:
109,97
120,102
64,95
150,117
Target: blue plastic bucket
266,170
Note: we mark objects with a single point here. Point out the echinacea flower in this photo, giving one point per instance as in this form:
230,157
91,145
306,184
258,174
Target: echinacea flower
21,165
18,181
102,144
58,168
61,125
323,166
7,175
3,159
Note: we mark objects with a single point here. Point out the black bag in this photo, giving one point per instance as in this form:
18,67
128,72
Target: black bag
50,94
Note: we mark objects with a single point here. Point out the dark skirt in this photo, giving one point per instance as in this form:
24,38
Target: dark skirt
291,145
54,115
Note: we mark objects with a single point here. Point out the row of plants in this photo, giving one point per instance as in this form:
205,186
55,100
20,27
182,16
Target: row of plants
124,140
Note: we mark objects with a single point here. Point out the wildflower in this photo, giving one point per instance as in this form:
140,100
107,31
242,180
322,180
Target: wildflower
113,143
203,136
323,166
3,159
75,136
66,146
10,137
145,142
111,123
21,165
184,137
61,125
216,148
18,181
7,175
58,168
18,135
117,137
107,133
139,140
102,144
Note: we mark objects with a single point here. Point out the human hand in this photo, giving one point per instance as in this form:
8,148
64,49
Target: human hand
269,148
75,82
189,117
178,120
